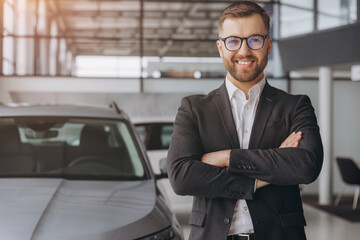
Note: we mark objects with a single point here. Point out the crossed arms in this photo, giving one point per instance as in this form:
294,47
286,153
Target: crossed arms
222,158
195,171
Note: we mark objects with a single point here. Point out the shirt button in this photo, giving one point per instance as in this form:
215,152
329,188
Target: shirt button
246,131
245,208
246,107
226,221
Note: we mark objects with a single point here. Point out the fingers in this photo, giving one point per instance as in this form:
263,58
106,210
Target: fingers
292,140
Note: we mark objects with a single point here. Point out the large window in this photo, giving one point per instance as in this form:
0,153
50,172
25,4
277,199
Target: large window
296,17
333,13
121,39
107,38
300,17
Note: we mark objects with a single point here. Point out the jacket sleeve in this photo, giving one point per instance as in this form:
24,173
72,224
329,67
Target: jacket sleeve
188,175
285,166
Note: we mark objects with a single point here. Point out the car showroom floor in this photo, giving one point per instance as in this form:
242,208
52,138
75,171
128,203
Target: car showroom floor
320,226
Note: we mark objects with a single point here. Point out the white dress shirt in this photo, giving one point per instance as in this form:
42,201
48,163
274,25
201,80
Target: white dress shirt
243,111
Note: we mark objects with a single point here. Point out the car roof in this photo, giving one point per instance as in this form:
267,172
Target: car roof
152,119
58,110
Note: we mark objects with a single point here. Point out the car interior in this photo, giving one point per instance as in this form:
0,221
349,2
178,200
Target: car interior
68,147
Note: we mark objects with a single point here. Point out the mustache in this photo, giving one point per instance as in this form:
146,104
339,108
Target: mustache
236,58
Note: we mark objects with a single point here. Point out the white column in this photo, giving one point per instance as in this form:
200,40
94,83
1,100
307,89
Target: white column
325,120
1,38
277,63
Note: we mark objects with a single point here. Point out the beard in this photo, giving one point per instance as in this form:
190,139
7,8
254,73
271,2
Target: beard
246,75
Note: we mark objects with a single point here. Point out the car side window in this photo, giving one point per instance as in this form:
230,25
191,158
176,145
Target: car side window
166,132
155,136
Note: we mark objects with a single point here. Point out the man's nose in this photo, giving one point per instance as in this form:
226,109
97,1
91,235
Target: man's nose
244,49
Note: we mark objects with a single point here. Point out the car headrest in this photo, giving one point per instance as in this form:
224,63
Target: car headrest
9,139
93,140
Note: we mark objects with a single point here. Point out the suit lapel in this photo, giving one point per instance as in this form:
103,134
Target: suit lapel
222,103
264,109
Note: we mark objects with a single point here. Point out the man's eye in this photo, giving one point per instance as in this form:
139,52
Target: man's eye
233,41
255,39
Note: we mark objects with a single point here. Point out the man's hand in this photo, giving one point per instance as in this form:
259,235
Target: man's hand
291,141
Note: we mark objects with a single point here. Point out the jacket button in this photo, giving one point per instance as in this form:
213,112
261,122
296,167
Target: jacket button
226,221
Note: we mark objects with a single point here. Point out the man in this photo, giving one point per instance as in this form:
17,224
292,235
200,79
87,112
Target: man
243,149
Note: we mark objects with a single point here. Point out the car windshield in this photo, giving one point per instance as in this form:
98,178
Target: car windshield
73,148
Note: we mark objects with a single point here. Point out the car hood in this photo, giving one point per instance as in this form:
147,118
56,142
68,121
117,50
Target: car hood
71,209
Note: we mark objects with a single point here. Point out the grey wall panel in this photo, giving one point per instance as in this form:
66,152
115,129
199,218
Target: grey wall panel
324,48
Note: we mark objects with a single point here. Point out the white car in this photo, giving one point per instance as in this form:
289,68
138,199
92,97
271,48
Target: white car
156,135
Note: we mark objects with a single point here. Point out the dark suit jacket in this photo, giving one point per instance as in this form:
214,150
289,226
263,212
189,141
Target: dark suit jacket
204,124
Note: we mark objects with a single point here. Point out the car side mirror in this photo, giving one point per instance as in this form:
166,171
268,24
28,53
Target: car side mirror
163,169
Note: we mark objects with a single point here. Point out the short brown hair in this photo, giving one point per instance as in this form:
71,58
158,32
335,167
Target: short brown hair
244,9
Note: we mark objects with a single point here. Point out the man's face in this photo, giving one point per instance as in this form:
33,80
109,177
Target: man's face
244,65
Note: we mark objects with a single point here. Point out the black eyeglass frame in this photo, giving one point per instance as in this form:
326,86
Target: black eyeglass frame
246,38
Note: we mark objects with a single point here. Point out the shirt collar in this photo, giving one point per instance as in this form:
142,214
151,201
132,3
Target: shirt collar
256,89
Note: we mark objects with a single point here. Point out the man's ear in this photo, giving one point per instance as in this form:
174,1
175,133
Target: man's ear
219,46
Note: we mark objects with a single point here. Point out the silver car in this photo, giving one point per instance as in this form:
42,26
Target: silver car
76,172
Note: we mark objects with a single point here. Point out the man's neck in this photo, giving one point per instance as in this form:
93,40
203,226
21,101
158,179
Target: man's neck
245,86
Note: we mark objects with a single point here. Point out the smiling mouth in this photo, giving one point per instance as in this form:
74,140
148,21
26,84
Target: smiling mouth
247,63
243,63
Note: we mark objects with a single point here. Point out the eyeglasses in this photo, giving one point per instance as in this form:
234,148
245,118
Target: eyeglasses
254,42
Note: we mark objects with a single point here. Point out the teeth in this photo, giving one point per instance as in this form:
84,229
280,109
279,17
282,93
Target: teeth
244,63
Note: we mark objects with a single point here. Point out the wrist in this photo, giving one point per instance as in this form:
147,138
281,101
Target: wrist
227,158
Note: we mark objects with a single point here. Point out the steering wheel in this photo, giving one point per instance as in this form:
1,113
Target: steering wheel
84,159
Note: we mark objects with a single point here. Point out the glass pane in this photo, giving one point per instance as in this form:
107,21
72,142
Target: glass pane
353,10
333,13
329,22
107,66
302,3
166,133
8,49
132,150
8,18
155,135
8,68
25,17
73,148
141,131
24,56
295,21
